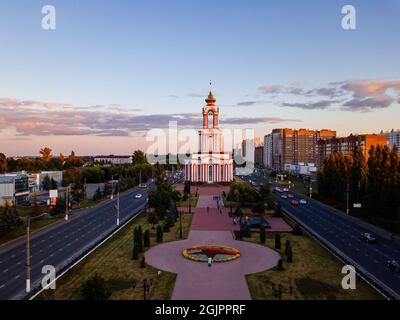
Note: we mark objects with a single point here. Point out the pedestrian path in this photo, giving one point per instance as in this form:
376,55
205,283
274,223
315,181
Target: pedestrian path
223,281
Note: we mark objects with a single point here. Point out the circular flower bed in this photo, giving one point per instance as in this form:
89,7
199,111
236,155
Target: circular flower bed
217,253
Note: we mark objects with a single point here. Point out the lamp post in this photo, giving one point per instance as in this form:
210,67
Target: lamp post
180,225
118,209
348,198
28,255
67,204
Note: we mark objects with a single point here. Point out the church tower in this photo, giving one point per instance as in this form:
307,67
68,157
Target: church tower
210,164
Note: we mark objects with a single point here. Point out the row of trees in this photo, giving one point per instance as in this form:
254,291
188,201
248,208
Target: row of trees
244,194
44,162
374,182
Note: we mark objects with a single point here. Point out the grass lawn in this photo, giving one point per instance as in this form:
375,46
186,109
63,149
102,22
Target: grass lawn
21,229
113,261
193,202
314,274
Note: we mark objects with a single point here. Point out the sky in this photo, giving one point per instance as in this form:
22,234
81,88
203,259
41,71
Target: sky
113,69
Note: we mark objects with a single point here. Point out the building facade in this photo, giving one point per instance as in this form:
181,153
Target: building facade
293,147
259,156
393,138
14,188
111,159
211,164
347,145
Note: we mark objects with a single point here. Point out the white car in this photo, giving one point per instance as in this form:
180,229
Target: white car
303,201
138,196
284,196
285,189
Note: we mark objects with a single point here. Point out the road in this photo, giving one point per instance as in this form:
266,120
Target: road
344,234
64,243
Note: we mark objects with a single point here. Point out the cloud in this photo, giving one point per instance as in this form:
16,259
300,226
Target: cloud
243,121
246,103
368,104
352,95
15,103
268,89
311,105
98,120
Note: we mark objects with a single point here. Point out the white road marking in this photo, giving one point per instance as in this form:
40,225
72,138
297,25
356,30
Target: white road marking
6,270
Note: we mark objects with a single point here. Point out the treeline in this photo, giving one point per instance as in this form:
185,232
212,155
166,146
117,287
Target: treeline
45,162
375,183
245,195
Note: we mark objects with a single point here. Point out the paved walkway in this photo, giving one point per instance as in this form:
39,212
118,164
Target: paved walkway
223,281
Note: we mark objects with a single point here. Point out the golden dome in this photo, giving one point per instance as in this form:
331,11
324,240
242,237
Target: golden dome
210,99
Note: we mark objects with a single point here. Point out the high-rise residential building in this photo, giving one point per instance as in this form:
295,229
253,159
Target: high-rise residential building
259,156
393,138
347,145
268,151
293,147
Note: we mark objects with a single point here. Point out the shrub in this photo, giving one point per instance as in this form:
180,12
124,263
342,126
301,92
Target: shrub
146,239
277,241
262,235
135,253
95,288
289,254
278,211
159,235
143,263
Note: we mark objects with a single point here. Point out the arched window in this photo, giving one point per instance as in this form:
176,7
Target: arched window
210,174
211,119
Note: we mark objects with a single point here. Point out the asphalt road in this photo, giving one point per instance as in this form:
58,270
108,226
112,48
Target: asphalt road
64,242
345,235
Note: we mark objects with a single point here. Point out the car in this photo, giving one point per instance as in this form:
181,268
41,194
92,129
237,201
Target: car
290,196
393,265
303,201
284,196
285,189
368,237
138,196
294,203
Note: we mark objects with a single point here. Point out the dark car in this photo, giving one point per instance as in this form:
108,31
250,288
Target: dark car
393,265
368,237
257,223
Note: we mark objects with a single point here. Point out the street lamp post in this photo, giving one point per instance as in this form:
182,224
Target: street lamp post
118,209
67,204
180,225
28,255
348,198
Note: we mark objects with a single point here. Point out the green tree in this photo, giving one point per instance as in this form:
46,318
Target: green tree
95,288
139,157
263,235
278,211
135,251
153,218
3,163
289,254
53,184
146,239
159,234
277,241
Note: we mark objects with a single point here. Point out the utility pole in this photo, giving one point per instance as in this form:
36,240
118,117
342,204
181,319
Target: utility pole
348,198
118,209
66,203
28,255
